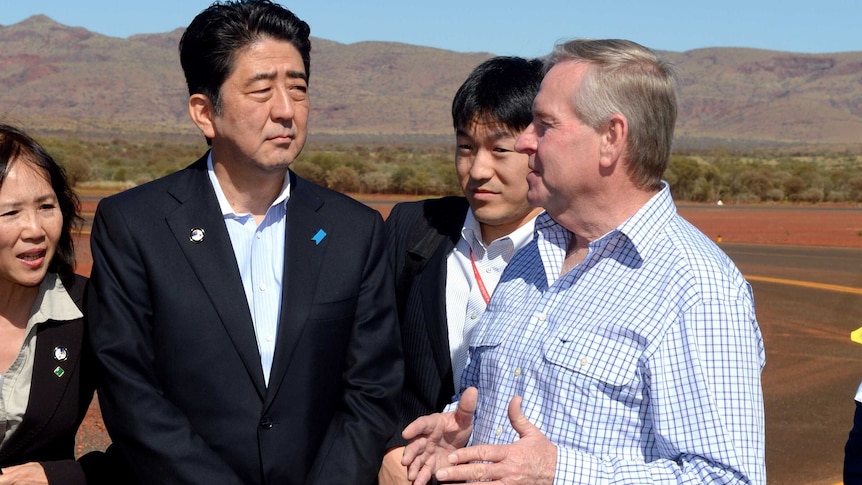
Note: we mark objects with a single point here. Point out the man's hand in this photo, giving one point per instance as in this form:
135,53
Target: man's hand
392,472
530,460
27,474
433,437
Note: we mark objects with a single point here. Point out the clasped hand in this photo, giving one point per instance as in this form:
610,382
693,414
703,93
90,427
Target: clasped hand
27,474
437,448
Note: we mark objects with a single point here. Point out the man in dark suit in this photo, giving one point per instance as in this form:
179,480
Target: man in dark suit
449,253
244,317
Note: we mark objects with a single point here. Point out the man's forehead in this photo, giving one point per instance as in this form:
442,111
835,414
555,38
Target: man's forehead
564,73
484,127
268,55
559,86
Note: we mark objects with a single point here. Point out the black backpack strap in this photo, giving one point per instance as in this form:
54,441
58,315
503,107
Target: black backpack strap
441,218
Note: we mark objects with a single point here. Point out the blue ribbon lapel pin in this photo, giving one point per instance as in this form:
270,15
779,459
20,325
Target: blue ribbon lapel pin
318,237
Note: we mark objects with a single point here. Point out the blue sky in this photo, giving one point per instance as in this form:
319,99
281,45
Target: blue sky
506,27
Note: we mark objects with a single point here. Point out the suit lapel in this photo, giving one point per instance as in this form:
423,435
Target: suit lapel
433,291
304,248
433,285
214,263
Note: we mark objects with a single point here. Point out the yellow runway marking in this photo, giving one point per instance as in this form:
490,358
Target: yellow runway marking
856,335
807,284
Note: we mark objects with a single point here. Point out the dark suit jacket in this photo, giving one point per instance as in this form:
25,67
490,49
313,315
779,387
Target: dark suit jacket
428,374
183,394
57,405
853,451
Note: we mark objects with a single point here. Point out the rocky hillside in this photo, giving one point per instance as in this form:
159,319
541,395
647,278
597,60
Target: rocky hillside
58,79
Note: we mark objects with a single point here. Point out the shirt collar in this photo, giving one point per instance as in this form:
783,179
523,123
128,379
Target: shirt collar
224,205
54,302
472,233
637,231
640,228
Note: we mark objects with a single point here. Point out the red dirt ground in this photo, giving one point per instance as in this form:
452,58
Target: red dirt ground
805,226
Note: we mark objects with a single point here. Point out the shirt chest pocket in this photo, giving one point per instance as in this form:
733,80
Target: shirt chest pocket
595,353
344,309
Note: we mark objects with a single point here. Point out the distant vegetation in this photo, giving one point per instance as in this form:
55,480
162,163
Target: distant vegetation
702,176
766,177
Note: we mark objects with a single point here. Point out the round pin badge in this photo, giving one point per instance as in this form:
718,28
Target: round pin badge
196,235
61,353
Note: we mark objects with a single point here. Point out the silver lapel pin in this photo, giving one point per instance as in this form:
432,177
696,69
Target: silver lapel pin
61,353
196,235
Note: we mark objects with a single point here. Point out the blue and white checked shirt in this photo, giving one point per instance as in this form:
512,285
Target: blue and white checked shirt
642,364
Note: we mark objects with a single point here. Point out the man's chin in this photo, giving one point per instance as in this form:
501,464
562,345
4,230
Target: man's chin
534,198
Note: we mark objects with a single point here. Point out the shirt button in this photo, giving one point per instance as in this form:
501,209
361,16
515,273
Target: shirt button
584,361
488,270
517,371
269,338
498,431
473,316
542,316
257,235
262,287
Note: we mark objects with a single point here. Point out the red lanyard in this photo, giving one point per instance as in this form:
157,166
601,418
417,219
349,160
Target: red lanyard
482,289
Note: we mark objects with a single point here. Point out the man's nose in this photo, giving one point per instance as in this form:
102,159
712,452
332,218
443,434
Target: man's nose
282,107
526,141
482,167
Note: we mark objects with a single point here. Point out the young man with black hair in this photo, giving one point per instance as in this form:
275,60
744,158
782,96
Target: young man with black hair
448,254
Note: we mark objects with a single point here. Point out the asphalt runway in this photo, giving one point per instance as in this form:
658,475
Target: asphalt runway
808,300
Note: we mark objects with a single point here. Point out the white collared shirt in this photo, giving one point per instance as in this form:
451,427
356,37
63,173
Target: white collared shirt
259,252
464,302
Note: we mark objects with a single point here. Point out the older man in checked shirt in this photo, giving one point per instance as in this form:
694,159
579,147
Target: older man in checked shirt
621,345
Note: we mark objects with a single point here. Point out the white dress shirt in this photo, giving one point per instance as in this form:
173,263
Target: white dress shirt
259,251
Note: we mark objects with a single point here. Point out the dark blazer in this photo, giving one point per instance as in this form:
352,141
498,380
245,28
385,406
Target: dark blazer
58,404
183,394
428,373
853,451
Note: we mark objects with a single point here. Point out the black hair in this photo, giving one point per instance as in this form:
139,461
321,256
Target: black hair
209,45
17,147
499,91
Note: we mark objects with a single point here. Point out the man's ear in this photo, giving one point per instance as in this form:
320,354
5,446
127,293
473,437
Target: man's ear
614,139
201,112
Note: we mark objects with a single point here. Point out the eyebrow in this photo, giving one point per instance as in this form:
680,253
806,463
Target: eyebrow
543,116
495,135
39,200
269,76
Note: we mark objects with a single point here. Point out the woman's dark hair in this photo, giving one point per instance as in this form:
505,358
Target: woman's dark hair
210,43
17,147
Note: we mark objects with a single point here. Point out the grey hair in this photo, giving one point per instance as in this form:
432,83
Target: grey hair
626,78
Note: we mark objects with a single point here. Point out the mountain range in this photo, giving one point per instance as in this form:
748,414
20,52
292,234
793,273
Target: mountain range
72,82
